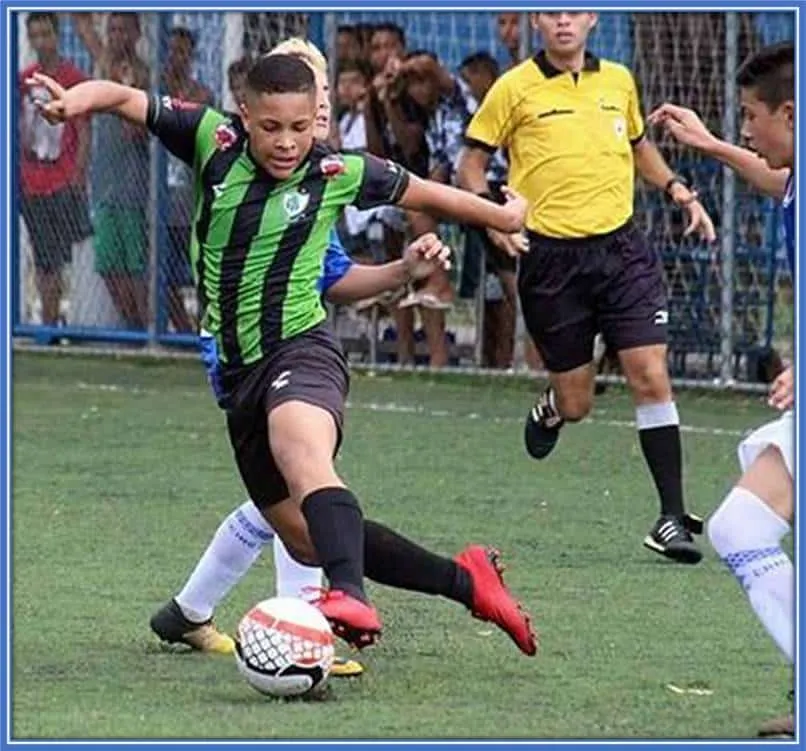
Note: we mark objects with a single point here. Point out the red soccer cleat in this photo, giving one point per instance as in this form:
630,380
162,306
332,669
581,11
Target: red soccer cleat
492,601
352,620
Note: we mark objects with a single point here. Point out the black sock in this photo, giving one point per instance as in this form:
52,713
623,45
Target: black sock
397,562
663,454
336,526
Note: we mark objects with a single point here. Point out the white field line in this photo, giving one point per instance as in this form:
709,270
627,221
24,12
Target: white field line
410,409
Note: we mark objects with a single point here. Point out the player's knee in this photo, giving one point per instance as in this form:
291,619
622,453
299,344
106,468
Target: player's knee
575,406
649,381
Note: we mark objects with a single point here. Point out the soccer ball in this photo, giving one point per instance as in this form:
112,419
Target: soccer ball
284,647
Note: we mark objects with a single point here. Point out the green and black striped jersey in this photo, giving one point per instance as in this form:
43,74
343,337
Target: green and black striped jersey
258,244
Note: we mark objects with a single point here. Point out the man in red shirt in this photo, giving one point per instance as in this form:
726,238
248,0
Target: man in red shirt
53,168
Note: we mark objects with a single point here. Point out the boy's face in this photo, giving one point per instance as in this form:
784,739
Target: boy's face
770,133
323,106
43,39
347,46
351,88
281,129
122,33
509,31
384,46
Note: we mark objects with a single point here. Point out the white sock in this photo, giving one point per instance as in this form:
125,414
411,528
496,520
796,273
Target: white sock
650,416
235,546
747,534
293,578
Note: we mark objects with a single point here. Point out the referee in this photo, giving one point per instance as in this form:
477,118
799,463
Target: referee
573,128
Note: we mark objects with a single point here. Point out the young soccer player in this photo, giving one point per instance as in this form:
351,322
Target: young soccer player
240,538
268,198
747,529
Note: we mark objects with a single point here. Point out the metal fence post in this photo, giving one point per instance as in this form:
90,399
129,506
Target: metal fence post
518,351
728,229
158,194
15,187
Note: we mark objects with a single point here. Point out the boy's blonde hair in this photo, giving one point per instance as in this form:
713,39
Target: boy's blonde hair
304,50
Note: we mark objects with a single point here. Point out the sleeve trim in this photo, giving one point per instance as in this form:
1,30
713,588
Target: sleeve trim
474,143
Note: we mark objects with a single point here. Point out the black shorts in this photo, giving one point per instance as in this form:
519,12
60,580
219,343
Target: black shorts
309,368
54,223
572,289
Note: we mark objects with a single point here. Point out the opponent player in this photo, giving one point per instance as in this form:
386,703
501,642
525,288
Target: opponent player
268,197
239,540
573,128
747,529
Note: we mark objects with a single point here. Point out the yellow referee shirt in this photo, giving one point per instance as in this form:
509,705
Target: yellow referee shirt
570,140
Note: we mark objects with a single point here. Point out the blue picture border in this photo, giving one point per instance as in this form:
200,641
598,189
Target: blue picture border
9,312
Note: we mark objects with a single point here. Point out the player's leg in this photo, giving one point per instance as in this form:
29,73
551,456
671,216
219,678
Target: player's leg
473,578
746,531
323,522
632,306
560,320
50,252
233,550
134,280
747,528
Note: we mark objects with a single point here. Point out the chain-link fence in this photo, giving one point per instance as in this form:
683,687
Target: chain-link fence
105,212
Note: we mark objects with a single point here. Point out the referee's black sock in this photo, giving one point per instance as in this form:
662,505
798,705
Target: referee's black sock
397,562
659,434
336,526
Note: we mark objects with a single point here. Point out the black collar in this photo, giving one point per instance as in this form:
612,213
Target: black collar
592,64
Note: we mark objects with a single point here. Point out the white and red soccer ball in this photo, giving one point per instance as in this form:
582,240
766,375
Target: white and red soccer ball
284,647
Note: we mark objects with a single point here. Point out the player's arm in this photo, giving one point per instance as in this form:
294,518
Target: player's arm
653,169
90,97
687,128
361,281
465,207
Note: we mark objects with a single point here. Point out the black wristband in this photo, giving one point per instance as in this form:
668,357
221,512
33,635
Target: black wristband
486,194
675,179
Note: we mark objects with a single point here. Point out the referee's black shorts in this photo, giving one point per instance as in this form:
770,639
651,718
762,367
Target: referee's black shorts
572,289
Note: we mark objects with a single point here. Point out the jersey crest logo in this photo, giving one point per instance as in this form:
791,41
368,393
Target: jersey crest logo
332,166
225,136
294,204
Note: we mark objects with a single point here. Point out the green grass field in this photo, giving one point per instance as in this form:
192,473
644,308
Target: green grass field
122,472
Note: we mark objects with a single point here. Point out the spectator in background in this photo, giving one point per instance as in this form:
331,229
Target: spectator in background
363,32
352,86
509,32
395,130
178,82
479,72
53,168
348,45
395,124
236,78
448,105
120,171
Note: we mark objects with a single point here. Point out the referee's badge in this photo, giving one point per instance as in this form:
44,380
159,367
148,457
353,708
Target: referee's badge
620,127
294,204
